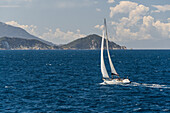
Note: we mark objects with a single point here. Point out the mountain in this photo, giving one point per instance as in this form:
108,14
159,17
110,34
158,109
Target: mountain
11,31
17,38
8,43
90,42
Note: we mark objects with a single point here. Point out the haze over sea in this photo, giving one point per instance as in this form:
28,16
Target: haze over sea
68,81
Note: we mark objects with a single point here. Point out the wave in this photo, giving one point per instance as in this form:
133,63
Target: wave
135,84
150,85
7,87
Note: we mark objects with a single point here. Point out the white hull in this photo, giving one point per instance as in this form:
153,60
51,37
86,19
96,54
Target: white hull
116,81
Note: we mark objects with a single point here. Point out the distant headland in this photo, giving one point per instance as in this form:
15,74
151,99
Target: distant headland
15,38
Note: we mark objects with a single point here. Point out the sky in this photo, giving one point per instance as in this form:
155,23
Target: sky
138,24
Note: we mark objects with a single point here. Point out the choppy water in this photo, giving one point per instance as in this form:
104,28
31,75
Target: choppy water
68,81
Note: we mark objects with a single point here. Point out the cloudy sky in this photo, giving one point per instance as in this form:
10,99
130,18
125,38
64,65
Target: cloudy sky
133,23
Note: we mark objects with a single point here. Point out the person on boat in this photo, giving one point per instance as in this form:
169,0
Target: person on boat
119,79
114,74
103,78
112,77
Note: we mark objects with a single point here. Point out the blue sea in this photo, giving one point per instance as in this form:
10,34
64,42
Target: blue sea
69,81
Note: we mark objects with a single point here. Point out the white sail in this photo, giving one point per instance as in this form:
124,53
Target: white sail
110,61
113,71
103,68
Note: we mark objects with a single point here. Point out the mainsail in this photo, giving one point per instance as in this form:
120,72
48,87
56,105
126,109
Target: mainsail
103,68
113,71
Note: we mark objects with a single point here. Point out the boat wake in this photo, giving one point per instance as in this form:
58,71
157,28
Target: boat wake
148,85
135,84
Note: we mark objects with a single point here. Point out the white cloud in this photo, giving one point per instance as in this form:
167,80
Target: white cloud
124,34
156,29
78,30
56,37
99,27
136,25
148,21
60,37
163,28
137,14
29,28
168,19
123,7
148,29
161,8
134,10
110,1
97,9
113,23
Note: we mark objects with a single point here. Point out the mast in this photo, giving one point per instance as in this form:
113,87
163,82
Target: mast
103,67
113,71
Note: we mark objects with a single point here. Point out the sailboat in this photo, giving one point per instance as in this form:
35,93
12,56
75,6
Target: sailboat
105,76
